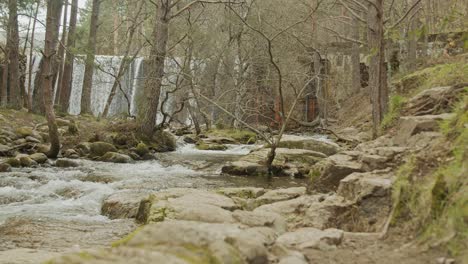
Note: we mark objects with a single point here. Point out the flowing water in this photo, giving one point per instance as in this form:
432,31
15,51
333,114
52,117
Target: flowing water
57,210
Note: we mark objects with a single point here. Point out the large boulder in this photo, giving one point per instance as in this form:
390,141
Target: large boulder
98,149
38,157
163,141
319,211
371,192
116,157
434,101
242,192
66,163
24,132
5,167
202,145
310,143
187,204
122,205
412,125
326,174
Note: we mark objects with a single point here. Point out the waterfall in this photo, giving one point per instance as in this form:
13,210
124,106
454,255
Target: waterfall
132,84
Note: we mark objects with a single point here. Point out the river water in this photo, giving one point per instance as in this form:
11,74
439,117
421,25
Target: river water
58,210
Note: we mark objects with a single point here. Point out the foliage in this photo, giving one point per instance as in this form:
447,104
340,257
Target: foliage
394,112
435,201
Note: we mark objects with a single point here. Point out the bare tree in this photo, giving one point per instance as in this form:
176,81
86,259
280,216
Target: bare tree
51,39
66,84
31,59
90,56
14,86
61,52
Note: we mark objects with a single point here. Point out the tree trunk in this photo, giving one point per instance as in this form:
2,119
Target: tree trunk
4,84
61,53
115,33
31,61
66,84
53,8
377,67
126,62
89,65
13,56
355,58
156,68
412,39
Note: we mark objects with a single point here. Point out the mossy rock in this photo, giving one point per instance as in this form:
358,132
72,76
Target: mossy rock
241,136
142,149
65,163
27,161
98,149
201,145
116,158
38,157
24,132
163,141
5,167
13,162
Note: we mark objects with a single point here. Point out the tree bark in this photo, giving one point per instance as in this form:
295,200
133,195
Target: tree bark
355,57
4,84
52,30
377,67
156,65
31,61
89,65
66,84
14,87
61,53
125,63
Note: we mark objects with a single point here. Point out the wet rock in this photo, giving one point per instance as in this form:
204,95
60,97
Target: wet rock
24,132
244,168
190,139
66,163
298,142
163,141
13,162
20,141
243,192
280,195
122,205
116,158
412,125
312,238
98,149
5,167
84,148
259,218
202,145
71,154
219,140
142,149
26,161
39,157
326,174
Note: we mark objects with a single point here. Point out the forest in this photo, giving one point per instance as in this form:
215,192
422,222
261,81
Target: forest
234,131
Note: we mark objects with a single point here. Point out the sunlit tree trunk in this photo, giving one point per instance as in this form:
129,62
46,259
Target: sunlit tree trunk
90,56
52,30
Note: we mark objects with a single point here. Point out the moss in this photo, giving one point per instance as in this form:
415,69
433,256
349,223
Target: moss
194,254
435,201
394,113
142,149
241,136
439,75
124,240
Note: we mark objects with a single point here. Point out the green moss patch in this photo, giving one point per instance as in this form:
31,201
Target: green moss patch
242,136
